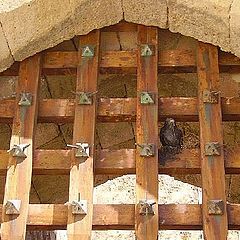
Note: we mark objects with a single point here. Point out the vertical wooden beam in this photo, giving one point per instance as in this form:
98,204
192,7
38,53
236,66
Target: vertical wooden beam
147,133
19,173
210,119
81,173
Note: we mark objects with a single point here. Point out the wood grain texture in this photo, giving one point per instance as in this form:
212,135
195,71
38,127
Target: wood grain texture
114,162
169,61
82,172
122,216
146,227
57,162
122,109
19,173
210,120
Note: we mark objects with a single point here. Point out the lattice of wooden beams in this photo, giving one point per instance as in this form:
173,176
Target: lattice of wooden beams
86,64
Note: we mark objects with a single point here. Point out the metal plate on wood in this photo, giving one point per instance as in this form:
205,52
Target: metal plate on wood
25,99
18,150
215,207
83,150
210,96
146,150
212,148
147,50
147,98
85,98
146,207
78,207
12,207
88,51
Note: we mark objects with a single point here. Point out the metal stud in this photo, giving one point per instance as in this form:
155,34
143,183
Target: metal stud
147,50
12,207
146,150
210,96
78,207
212,148
25,99
147,98
146,207
18,150
83,150
215,207
88,51
85,98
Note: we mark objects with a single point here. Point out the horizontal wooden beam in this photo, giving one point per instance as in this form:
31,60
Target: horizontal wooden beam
170,61
121,109
121,216
114,162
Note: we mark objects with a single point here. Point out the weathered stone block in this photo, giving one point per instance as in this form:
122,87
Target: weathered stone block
235,26
36,26
147,12
208,21
89,15
6,59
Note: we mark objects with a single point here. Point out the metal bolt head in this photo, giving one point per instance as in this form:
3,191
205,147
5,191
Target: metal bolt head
88,51
78,207
12,207
215,207
147,50
147,98
212,148
85,98
25,99
147,150
146,207
210,96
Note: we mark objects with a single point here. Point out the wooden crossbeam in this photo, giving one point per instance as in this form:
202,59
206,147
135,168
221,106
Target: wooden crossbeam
122,109
19,173
211,132
172,217
82,171
57,162
146,225
170,61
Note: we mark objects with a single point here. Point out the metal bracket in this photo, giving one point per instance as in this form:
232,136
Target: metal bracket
210,96
147,98
85,98
212,148
87,51
18,150
25,99
146,207
146,150
215,207
78,207
147,50
83,150
12,207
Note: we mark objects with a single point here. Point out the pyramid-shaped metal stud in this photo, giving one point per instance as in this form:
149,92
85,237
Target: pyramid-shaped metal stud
25,99
12,207
17,150
146,98
212,148
147,50
88,51
85,98
146,207
78,207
